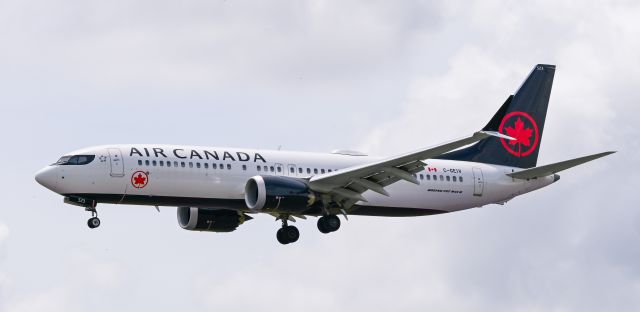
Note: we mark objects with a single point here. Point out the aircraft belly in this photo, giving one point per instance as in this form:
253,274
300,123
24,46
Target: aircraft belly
424,196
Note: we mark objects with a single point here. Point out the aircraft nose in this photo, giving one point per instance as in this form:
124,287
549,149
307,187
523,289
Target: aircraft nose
47,177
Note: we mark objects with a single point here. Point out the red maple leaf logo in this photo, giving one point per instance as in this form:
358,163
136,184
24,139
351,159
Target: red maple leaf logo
521,134
524,135
139,180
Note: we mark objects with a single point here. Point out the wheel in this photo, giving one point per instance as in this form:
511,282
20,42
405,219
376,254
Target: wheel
280,235
93,222
332,223
291,233
322,225
328,224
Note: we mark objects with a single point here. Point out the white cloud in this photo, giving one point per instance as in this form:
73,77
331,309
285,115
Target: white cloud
412,73
4,278
52,300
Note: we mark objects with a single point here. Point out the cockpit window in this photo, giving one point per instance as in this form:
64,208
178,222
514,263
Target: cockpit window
75,160
63,160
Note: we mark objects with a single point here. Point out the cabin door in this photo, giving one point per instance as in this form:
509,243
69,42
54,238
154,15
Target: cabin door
116,161
478,182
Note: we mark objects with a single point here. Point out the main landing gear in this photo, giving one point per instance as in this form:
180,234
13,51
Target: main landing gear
328,224
93,222
288,233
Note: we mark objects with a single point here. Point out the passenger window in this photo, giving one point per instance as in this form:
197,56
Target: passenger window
315,170
448,178
139,162
435,177
299,170
266,168
175,164
168,163
162,163
441,178
292,170
460,179
214,166
146,162
221,166
421,177
259,168
198,165
206,165
244,167
229,166
309,170
455,179
279,169
329,170
190,165
428,177
271,169
321,170
182,164
154,163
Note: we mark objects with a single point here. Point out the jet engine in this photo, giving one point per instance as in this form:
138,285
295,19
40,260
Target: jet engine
210,220
282,194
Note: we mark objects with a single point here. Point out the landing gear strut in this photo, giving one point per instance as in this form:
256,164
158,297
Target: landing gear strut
328,224
288,233
93,222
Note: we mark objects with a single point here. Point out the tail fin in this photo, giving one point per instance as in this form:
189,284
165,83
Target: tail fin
522,117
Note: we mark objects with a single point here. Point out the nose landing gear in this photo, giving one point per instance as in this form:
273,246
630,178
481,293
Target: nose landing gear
94,221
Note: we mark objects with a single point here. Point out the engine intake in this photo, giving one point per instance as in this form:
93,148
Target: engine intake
278,193
210,220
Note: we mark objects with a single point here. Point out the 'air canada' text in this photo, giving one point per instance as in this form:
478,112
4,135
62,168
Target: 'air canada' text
194,154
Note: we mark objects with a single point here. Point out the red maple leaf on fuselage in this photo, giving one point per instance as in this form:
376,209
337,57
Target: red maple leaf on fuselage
139,179
521,134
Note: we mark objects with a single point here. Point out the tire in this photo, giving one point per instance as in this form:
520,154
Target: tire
93,222
322,225
281,237
332,223
291,233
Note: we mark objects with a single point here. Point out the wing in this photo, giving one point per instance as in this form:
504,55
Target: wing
347,185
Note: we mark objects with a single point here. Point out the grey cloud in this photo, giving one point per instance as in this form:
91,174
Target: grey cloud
384,76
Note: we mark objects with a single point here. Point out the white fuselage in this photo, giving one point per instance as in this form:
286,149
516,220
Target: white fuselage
211,177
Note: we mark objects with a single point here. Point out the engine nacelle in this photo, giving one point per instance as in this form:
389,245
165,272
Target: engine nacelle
274,193
210,220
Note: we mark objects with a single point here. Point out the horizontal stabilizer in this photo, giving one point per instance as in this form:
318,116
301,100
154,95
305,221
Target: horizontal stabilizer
547,170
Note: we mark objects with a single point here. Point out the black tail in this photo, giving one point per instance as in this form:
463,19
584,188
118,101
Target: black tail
522,117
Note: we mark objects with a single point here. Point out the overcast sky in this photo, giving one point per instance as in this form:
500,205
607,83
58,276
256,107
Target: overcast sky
383,77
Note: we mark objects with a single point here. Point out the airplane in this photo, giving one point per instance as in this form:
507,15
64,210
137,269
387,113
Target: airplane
216,189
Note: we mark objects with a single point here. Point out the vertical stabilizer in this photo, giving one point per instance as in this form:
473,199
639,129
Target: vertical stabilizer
522,116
